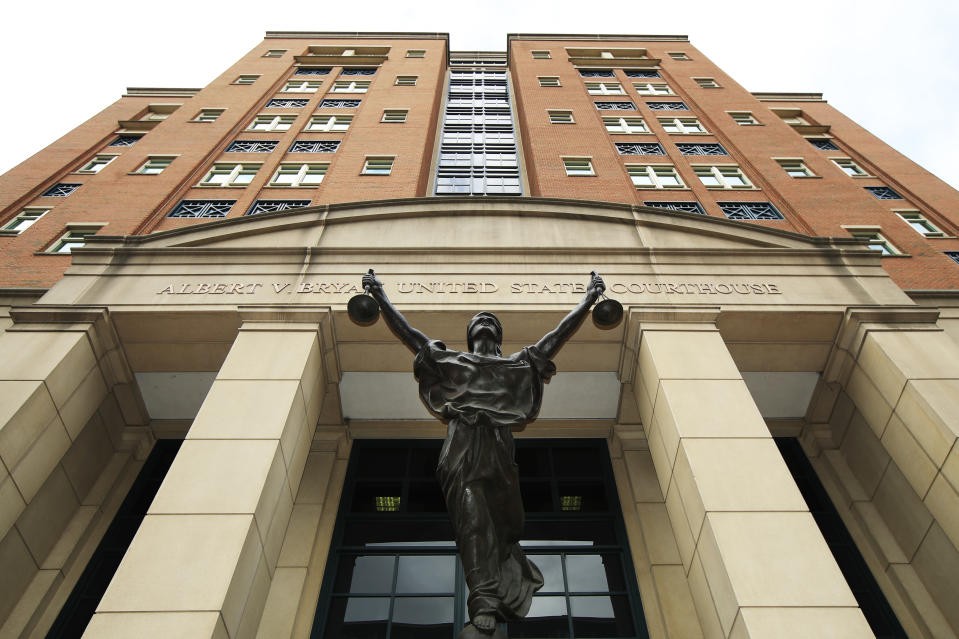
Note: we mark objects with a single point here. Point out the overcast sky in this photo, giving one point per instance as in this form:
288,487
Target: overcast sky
891,66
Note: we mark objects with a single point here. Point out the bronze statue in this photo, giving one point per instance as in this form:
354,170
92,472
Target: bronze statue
482,395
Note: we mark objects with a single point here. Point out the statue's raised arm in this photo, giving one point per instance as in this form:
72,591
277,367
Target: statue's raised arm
410,336
549,344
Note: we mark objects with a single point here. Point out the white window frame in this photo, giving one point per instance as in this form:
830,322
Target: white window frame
304,175
877,241
301,86
560,116
27,217
655,176
154,165
720,173
207,115
540,54
707,83
795,168
406,80
395,116
237,175
744,118
850,167
328,122
653,88
682,126
919,223
246,79
97,163
619,125
276,122
678,55
275,53
350,86
378,165
548,80
416,53
74,237
604,88
578,166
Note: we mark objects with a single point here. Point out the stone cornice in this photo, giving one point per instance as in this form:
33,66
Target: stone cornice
774,96
358,35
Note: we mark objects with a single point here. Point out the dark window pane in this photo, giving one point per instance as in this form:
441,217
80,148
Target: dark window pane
601,617
372,497
423,462
573,532
365,574
594,573
422,618
358,618
533,462
537,496
582,497
426,573
381,462
547,617
377,532
577,462
552,568
426,497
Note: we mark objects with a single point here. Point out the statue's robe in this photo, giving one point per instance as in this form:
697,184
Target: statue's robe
482,398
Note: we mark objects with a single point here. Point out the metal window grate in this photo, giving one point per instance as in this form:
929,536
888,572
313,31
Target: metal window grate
687,207
596,73
339,104
312,71
615,106
275,206
62,189
823,144
125,140
251,146
883,192
287,103
701,149
202,208
953,255
640,148
750,211
314,146
667,106
358,71
641,73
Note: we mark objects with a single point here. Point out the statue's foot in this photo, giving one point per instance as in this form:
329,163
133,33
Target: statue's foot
485,623
482,627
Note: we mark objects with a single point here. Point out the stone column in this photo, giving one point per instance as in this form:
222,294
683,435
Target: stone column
755,561
203,560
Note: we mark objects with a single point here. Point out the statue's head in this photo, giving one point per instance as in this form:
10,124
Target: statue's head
483,322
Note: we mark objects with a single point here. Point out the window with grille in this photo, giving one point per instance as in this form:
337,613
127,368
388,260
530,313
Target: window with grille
359,71
62,189
312,71
701,149
125,140
615,106
641,73
883,193
285,103
750,211
276,206
339,104
640,148
314,146
952,255
596,73
686,207
667,106
202,208
251,146
393,571
823,144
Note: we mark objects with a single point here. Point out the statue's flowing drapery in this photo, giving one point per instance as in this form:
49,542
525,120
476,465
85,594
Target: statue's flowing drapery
482,398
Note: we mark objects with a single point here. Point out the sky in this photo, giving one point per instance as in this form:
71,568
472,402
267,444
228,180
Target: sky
891,66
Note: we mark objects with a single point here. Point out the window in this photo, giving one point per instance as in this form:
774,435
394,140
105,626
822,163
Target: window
275,206
605,88
920,224
267,122
202,208
701,149
314,146
155,164
876,241
750,211
223,174
394,115
61,189
312,71
299,175
952,255
722,177
707,83
378,166
682,125
301,86
251,146
641,73
795,167
339,104
246,79
823,144
393,530
849,167
667,106
883,193
596,73
743,118
640,148
548,80
329,123
74,238
207,115
686,207
406,80
625,125
678,55
792,117
287,103
350,86
652,88
540,55
578,166
274,53
96,164
359,71
26,219
125,140
415,53
615,106
654,176
560,117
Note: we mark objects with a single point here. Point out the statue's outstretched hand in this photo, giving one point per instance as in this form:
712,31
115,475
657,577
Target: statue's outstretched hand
596,285
370,281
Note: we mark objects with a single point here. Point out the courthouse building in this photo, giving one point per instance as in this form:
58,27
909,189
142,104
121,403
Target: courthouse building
197,441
